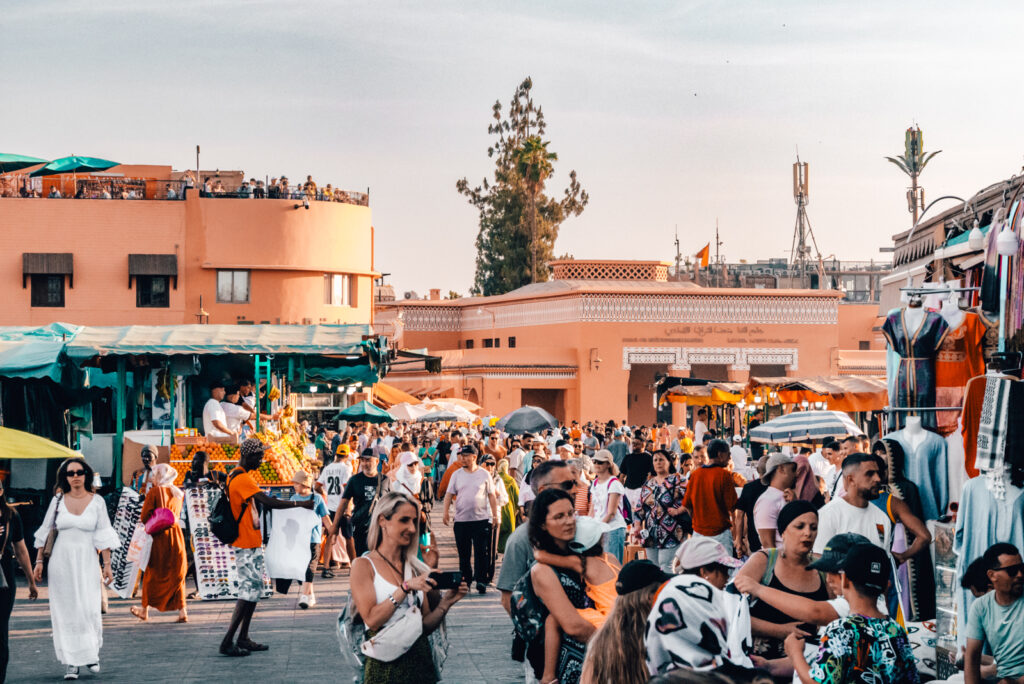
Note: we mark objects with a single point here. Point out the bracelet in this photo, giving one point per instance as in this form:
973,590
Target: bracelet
405,586
393,601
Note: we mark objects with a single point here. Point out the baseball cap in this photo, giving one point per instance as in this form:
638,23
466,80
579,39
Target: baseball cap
834,554
867,565
588,533
343,449
603,456
697,552
251,447
638,574
774,461
303,478
366,453
737,439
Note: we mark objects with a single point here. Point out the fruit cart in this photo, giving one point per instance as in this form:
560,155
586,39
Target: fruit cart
283,458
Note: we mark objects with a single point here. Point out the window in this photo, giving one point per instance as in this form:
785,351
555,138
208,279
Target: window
469,344
511,343
488,343
233,287
864,345
340,290
47,290
152,291
497,341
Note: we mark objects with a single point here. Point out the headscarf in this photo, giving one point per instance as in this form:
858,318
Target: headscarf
792,511
806,486
164,476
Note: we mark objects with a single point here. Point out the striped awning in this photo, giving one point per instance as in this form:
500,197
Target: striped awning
805,426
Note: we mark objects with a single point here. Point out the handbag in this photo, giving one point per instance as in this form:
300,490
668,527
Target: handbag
395,639
161,519
51,537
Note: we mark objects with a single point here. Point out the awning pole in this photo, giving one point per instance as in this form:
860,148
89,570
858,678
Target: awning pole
171,380
257,390
119,415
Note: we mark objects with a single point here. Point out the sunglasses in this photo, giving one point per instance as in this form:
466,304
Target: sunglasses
1012,570
566,485
75,473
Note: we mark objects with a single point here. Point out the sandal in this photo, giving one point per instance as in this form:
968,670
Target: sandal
183,618
137,612
233,651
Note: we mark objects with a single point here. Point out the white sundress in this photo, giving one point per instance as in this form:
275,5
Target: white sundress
73,578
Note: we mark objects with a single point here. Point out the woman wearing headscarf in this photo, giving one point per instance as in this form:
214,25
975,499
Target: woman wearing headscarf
785,568
901,501
163,582
806,487
508,511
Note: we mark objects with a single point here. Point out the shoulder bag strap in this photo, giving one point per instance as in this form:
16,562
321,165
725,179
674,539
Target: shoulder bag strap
772,555
245,503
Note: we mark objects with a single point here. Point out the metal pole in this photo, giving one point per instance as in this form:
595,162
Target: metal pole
257,390
119,415
1004,266
170,379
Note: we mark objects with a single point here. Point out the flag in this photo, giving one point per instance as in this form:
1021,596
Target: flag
703,256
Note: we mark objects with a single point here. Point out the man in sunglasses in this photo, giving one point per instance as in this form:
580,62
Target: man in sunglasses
998,618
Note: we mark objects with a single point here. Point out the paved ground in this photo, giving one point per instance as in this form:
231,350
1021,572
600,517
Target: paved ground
303,645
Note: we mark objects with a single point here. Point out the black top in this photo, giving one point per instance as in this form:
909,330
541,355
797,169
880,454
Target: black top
15,535
638,467
361,490
748,497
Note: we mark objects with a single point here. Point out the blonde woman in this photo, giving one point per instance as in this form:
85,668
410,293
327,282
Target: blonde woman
389,580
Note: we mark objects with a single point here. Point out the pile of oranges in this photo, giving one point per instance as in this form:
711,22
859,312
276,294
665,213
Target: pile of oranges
283,458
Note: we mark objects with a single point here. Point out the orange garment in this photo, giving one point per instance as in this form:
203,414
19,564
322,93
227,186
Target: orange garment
603,596
242,487
163,583
960,358
442,489
581,494
711,496
575,433
974,399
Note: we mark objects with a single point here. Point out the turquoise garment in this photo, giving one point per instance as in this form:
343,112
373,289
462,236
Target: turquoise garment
320,508
927,468
1003,628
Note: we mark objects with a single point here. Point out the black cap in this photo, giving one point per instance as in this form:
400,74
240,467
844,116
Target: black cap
638,574
468,449
366,453
833,556
867,565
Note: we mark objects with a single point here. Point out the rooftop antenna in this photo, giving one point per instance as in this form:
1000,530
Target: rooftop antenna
718,258
679,257
800,259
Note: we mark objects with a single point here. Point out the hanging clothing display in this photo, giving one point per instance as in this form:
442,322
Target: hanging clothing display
991,428
917,575
956,472
960,358
927,467
288,553
915,379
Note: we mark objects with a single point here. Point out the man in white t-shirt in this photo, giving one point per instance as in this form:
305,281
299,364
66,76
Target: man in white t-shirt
853,512
700,426
215,423
780,475
476,515
515,462
740,457
331,484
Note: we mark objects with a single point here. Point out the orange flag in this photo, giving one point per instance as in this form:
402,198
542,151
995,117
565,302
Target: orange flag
703,255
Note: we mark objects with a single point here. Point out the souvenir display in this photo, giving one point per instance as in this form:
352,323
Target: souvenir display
124,559
917,346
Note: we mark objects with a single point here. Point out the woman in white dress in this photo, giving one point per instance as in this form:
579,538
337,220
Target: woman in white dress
83,528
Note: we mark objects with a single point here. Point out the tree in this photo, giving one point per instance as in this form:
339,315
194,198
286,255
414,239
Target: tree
519,223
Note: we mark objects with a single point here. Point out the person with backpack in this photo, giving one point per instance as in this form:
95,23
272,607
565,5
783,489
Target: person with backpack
362,491
606,495
242,495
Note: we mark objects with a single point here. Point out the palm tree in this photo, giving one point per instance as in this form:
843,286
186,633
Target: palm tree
912,163
533,162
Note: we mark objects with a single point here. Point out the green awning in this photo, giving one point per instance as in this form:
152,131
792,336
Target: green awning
34,352
964,236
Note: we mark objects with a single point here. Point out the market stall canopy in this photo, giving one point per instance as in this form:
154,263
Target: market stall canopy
385,393
405,411
34,352
74,164
461,403
16,162
527,419
710,394
841,393
448,406
15,444
364,412
439,417
805,426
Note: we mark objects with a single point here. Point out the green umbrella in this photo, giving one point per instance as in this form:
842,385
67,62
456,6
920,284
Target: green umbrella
13,162
364,412
74,164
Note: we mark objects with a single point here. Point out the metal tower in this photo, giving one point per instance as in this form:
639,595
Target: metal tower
800,259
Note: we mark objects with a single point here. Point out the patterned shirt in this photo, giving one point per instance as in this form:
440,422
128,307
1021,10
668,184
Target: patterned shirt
864,650
662,530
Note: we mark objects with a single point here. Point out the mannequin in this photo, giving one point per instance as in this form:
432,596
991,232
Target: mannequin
952,312
916,336
925,464
914,314
914,434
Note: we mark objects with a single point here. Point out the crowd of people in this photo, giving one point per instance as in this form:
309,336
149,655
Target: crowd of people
627,553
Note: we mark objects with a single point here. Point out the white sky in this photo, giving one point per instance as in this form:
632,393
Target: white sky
671,112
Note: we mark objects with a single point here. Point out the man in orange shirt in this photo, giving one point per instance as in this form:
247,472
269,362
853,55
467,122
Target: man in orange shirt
243,492
711,496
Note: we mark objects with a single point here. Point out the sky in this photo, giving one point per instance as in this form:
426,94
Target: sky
674,114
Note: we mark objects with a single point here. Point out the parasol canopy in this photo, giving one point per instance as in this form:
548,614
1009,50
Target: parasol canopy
439,417
74,164
805,426
16,444
526,419
406,411
364,412
14,162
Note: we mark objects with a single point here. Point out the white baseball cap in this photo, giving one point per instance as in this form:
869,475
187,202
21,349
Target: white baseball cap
697,552
588,533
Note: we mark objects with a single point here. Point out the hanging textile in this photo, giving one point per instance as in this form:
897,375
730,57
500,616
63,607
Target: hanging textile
915,380
960,358
926,465
957,475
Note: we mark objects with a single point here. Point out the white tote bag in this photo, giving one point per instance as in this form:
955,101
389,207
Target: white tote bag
288,554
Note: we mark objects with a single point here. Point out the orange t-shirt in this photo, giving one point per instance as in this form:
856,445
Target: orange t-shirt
241,488
711,495
442,489
575,433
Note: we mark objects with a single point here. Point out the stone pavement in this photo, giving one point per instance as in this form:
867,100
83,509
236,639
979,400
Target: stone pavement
303,643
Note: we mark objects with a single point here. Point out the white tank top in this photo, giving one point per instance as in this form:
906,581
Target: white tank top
384,589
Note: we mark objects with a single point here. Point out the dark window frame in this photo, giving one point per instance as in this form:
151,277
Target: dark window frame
40,296
144,288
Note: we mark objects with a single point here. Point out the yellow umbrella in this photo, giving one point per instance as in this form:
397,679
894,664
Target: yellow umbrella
16,444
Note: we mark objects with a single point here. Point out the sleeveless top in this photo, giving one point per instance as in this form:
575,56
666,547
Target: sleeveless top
769,647
382,588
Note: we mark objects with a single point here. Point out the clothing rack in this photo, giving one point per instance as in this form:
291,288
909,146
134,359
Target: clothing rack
908,409
937,290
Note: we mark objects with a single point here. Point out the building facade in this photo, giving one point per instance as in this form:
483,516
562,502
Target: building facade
591,343
168,259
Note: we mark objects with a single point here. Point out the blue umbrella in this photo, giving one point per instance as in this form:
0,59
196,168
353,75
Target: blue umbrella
805,426
74,164
527,419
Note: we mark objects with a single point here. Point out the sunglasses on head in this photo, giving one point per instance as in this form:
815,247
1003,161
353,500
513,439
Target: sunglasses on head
75,473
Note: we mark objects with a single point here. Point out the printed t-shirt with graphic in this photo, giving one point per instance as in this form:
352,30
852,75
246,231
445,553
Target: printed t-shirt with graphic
320,508
766,512
838,516
241,488
862,650
1002,627
361,490
599,494
472,492
334,477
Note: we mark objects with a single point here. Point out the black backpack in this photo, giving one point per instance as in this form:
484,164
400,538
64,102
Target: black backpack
223,524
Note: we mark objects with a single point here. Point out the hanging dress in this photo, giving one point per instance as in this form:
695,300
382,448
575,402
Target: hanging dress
960,358
915,377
